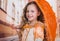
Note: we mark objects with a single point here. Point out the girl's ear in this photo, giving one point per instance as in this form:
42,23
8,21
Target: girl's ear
38,13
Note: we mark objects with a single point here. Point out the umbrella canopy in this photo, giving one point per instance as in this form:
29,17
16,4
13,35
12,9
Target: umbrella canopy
49,16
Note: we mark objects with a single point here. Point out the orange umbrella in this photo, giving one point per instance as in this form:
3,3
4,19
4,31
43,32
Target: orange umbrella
49,16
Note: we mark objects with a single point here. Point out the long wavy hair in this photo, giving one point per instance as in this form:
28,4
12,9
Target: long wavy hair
39,18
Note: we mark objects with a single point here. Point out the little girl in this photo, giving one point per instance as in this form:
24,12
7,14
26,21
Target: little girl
34,23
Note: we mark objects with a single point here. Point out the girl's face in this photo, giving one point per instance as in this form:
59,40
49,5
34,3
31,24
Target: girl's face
32,13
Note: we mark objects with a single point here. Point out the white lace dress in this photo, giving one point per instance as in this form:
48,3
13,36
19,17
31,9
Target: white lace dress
30,36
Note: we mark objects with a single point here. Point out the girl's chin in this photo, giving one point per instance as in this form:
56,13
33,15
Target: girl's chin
30,19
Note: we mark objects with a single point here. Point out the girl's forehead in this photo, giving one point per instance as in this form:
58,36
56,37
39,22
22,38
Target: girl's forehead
32,6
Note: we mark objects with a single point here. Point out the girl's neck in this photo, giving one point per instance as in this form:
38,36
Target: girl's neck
32,23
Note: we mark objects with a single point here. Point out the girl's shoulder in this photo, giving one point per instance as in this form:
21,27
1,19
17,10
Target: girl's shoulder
37,24
40,24
26,26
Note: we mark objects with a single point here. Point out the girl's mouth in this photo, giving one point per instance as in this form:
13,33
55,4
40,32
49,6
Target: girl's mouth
30,16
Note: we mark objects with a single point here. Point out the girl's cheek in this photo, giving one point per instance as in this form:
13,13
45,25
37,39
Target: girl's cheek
26,14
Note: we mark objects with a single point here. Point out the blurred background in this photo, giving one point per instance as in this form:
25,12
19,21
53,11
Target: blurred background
11,12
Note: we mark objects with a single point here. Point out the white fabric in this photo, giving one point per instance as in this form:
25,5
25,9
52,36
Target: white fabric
38,39
30,36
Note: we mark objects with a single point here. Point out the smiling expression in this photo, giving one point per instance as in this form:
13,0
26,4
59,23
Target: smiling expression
32,13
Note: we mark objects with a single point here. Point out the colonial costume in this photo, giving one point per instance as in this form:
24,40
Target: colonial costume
42,32
33,33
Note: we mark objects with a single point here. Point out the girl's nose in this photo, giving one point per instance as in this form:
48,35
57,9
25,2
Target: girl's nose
29,13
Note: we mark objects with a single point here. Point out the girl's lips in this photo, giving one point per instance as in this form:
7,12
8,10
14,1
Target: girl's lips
30,16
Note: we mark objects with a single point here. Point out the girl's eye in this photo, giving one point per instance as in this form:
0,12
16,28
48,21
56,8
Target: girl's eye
32,11
29,11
